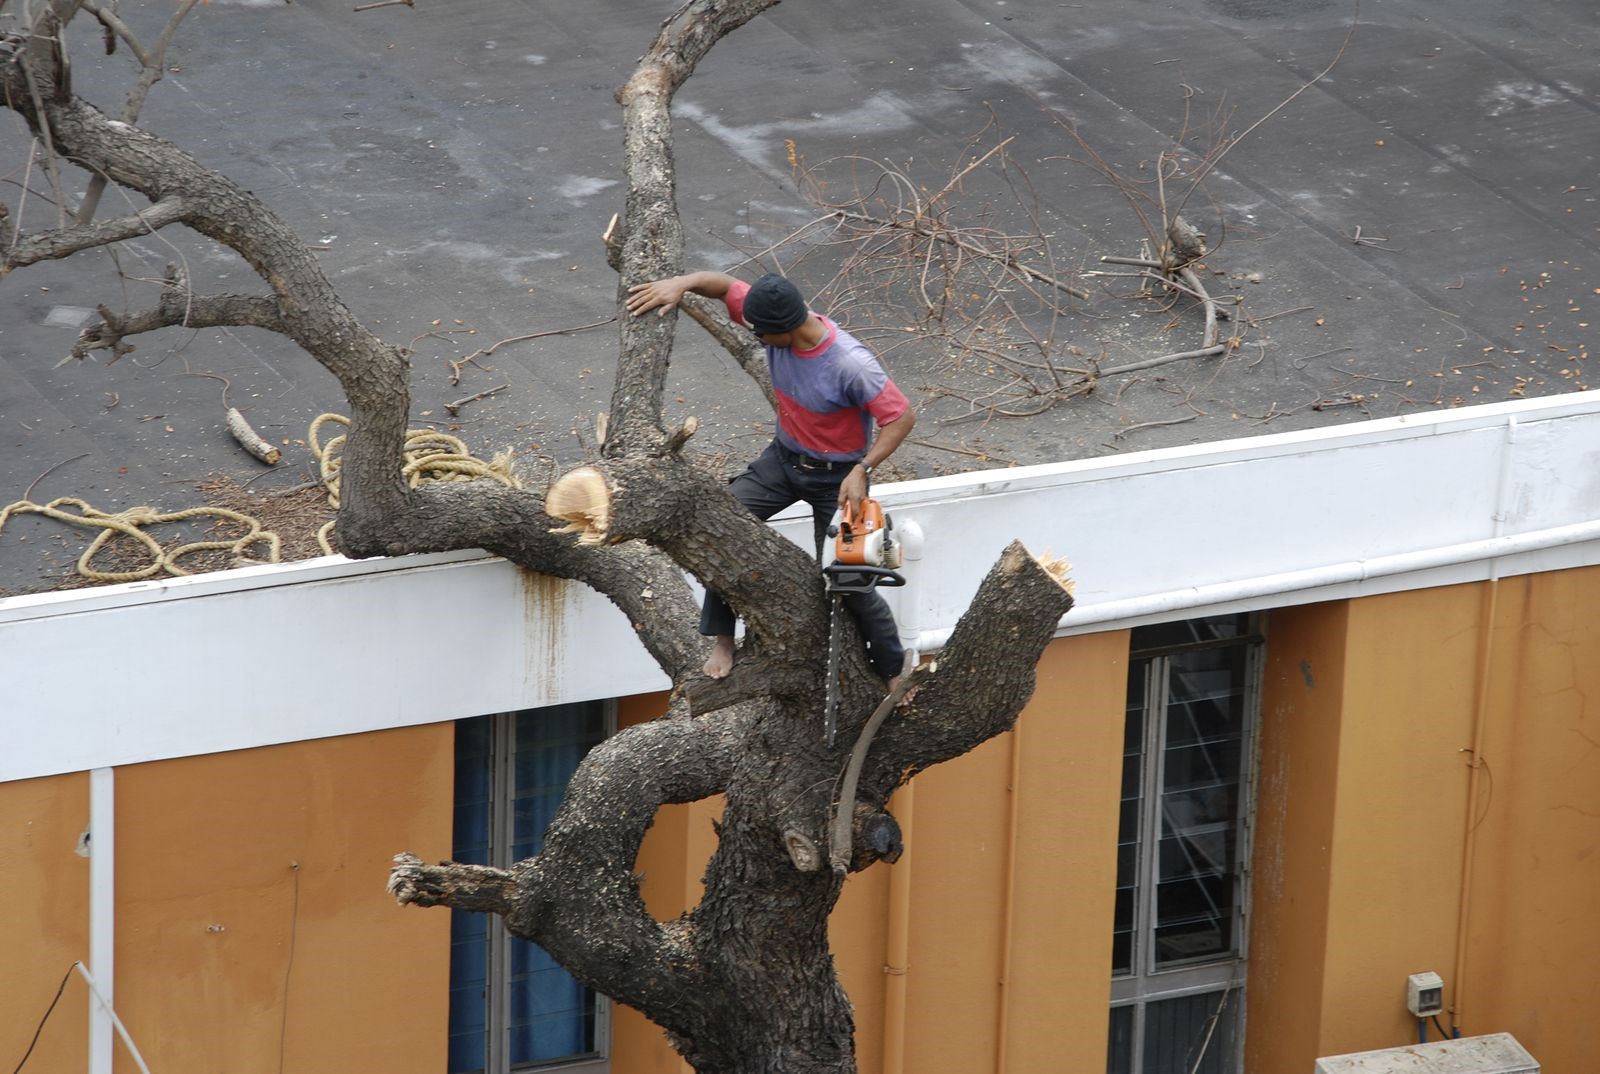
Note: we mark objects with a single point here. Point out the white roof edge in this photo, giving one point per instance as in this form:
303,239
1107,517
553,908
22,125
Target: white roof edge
1266,445
899,494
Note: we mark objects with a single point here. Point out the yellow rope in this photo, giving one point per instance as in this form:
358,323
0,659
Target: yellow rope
131,523
429,456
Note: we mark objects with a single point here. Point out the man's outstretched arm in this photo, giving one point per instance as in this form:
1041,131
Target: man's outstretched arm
664,295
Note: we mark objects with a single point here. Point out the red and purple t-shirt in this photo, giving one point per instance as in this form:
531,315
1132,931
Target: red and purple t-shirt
829,396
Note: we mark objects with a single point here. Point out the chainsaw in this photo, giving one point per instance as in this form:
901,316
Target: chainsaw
865,556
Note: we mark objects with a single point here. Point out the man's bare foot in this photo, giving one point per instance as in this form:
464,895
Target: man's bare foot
720,662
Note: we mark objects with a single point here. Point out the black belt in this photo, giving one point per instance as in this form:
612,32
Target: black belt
811,462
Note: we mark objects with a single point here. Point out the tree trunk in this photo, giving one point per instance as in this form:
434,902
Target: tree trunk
744,983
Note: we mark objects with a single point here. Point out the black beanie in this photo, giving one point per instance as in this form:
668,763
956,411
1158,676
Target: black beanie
774,306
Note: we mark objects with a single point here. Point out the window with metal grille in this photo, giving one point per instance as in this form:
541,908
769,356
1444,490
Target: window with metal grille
511,1006
1178,946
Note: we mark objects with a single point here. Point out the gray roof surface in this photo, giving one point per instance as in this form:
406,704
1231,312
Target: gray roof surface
1415,230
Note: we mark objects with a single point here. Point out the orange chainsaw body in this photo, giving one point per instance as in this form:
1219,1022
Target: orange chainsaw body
866,538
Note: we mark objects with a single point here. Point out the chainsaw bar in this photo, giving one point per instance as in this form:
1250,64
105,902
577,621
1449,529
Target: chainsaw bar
831,703
865,555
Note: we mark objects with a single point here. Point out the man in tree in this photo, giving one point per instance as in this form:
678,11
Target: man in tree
830,390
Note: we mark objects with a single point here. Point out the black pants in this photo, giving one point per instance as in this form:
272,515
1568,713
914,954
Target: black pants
776,479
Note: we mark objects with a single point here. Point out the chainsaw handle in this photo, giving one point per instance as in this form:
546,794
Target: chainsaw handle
864,577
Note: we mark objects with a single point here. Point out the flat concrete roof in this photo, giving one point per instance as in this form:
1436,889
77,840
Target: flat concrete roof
1416,230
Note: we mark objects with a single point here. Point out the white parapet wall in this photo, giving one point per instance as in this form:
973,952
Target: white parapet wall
149,670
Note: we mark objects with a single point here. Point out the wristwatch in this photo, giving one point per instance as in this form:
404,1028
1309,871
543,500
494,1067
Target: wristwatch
865,468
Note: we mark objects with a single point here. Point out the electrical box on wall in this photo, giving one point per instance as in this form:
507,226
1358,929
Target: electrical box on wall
1425,994
1497,1053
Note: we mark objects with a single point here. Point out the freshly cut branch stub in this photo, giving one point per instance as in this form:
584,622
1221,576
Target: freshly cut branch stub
582,499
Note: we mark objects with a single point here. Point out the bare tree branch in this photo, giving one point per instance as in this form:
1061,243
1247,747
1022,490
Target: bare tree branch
152,65
63,242
751,356
179,310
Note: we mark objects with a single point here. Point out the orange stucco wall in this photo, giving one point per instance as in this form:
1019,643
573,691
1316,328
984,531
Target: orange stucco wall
44,927
1009,958
1298,738
1068,803
1410,662
228,957
1363,873
1532,964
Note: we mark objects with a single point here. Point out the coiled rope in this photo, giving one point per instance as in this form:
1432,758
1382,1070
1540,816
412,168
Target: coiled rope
429,455
131,522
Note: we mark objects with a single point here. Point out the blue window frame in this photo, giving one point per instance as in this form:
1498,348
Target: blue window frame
511,1006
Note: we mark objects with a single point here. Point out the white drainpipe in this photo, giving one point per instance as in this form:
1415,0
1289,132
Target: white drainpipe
102,916
908,615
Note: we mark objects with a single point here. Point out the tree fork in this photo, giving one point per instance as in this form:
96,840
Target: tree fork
772,583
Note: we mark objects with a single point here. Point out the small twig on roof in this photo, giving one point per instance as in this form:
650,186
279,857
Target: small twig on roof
1120,433
1376,244
226,384
1150,363
455,365
982,456
29,490
455,407
1283,313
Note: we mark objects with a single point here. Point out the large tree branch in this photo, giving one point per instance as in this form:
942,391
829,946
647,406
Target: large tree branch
579,898
179,307
738,342
641,581
372,373
652,245
984,674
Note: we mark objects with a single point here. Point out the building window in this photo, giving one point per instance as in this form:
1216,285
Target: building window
1178,947
511,1006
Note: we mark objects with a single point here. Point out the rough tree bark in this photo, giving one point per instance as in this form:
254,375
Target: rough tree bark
744,982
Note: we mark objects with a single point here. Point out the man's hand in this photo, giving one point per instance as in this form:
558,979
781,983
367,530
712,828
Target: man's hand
659,295
852,490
